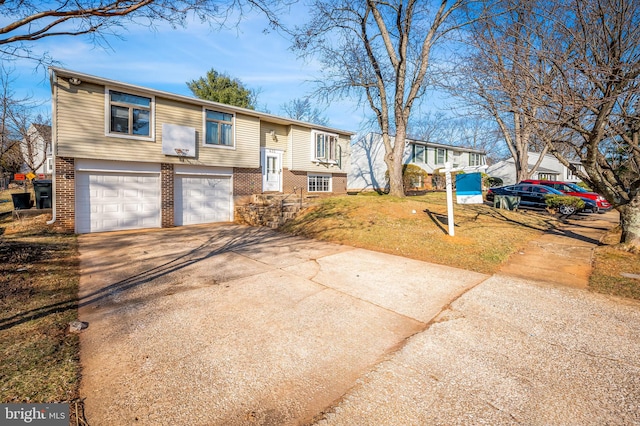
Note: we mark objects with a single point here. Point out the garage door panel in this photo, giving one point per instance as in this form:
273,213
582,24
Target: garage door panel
110,201
202,199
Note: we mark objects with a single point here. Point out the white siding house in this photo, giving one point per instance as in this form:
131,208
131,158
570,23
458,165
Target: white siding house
37,151
368,169
550,169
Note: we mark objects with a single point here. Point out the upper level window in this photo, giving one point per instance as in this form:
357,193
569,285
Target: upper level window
325,147
441,155
218,128
129,114
419,153
475,159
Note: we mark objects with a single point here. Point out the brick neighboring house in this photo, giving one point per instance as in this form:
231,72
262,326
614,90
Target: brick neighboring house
368,169
129,157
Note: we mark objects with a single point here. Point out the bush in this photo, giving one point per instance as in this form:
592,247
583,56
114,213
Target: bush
414,177
566,204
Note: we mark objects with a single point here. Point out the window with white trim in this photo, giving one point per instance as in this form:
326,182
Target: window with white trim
475,159
441,155
325,147
218,128
318,183
129,114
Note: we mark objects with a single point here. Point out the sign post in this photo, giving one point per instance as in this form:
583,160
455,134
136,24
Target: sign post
447,173
450,224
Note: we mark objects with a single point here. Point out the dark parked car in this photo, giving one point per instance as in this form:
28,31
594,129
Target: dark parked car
575,190
534,196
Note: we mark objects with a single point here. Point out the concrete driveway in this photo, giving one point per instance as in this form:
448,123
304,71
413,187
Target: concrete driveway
232,325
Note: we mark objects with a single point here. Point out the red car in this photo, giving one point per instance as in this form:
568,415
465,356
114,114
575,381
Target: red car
575,190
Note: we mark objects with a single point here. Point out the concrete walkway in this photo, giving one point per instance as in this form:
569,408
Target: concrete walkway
230,325
563,255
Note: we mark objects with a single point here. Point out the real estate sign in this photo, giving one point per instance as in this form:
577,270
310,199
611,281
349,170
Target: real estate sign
469,188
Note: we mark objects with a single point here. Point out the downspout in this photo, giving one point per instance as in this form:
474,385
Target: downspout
54,136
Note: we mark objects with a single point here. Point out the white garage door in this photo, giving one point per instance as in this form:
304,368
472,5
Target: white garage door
202,199
116,201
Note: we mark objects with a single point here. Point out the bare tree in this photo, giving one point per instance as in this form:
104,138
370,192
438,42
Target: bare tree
568,74
497,78
10,107
470,131
301,109
594,58
380,52
25,22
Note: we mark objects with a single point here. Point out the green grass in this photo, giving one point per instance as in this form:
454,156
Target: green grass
416,227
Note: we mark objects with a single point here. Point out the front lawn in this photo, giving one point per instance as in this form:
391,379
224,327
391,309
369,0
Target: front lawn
39,275
416,227
615,271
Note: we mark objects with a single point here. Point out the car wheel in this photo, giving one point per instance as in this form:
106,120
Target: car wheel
567,210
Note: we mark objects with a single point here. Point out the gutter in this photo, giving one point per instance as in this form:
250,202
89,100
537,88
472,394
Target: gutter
54,136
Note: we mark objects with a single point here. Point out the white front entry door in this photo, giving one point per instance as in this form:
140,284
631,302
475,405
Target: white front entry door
271,170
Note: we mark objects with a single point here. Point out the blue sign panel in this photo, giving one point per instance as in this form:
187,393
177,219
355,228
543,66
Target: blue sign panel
469,188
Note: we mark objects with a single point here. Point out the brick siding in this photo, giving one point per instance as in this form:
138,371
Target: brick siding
65,196
292,181
247,181
167,196
339,184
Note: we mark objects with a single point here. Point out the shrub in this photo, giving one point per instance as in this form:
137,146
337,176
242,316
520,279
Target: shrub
414,177
565,203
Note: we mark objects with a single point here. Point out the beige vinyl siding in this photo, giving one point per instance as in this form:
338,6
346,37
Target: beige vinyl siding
302,152
80,131
282,138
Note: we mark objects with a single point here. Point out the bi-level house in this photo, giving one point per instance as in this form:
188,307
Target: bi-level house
368,169
129,157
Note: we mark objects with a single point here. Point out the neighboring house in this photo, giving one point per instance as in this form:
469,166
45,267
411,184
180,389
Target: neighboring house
368,169
129,157
550,169
36,150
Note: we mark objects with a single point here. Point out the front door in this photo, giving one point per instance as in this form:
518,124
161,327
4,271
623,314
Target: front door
271,170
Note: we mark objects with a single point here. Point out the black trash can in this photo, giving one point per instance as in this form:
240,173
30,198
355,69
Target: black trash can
21,201
42,188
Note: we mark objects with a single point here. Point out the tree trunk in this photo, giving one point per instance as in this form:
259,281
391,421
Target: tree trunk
630,222
394,164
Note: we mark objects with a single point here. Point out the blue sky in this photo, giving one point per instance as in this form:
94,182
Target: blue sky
164,58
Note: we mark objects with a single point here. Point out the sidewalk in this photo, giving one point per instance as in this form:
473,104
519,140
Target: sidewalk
563,255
